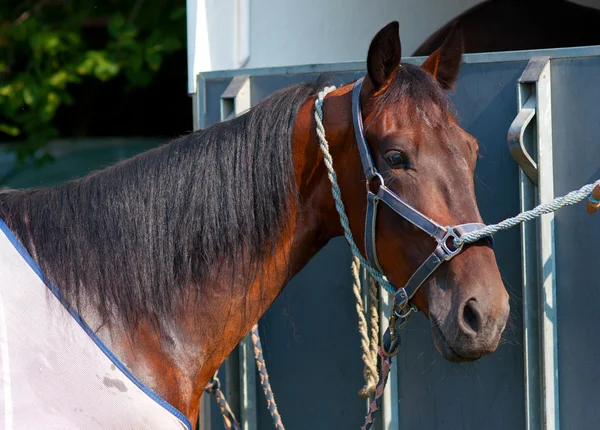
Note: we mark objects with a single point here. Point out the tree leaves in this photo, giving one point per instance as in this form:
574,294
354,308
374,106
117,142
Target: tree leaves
44,52
100,64
11,130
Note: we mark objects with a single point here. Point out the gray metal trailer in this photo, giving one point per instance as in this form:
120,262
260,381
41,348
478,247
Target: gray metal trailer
545,374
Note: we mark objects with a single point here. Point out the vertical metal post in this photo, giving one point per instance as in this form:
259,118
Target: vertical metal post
530,143
235,100
199,103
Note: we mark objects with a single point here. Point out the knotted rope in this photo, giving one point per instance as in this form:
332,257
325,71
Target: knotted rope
369,345
570,199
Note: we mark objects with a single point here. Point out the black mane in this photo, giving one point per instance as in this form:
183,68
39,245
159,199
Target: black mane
128,239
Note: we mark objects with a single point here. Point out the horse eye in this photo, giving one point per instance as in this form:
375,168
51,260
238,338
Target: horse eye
397,160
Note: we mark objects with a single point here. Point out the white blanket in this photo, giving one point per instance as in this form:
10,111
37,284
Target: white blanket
55,374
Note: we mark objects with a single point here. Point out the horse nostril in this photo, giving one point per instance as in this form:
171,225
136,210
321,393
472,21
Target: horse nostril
471,315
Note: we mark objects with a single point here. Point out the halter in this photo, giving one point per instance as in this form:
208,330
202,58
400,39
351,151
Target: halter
445,236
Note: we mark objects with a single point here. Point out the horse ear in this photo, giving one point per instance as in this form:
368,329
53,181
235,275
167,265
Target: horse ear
444,63
383,58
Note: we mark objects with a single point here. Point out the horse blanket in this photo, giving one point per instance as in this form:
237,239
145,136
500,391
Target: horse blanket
55,373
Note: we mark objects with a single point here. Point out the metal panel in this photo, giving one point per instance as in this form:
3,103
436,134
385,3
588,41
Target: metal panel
298,329
309,334
576,146
313,347
480,58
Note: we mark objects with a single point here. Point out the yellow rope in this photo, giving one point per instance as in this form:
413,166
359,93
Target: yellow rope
369,346
374,311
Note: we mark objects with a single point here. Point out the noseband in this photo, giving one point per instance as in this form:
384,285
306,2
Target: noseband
444,236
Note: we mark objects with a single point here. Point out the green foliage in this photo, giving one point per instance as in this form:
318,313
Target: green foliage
45,49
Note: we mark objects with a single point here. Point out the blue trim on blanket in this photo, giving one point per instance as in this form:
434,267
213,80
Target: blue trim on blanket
36,268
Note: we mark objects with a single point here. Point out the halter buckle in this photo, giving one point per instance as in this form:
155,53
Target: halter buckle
390,341
447,243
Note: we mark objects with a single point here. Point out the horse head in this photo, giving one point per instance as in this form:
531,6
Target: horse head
419,167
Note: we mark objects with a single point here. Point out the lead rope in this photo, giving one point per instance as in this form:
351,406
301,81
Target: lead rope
570,199
375,274
214,387
335,189
386,365
368,345
264,379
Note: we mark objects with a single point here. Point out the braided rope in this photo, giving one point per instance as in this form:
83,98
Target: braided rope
374,311
386,365
370,369
214,388
264,379
570,199
337,195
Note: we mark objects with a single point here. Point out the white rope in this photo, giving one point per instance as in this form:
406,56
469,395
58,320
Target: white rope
337,195
369,346
570,199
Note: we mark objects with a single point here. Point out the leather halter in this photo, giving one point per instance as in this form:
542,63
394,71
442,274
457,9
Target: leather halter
444,235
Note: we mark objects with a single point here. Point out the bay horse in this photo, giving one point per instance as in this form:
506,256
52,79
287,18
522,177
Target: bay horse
170,257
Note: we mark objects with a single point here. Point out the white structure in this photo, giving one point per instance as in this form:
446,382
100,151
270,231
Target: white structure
230,34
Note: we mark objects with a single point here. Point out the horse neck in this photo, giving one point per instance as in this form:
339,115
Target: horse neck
178,360
313,223
229,313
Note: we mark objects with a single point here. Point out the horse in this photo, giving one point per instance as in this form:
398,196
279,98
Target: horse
512,25
170,257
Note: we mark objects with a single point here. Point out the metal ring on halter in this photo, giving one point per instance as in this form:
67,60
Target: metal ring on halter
390,341
411,308
370,178
394,346
450,252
